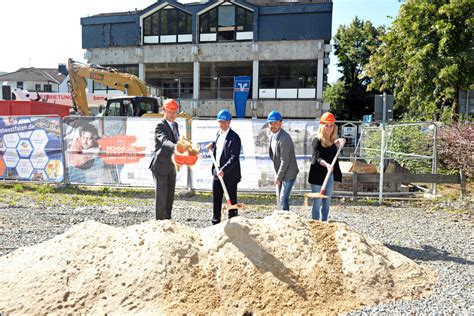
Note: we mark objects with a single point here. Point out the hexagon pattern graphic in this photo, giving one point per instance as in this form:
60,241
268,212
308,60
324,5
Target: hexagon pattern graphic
39,159
11,157
11,140
24,148
24,168
25,154
39,138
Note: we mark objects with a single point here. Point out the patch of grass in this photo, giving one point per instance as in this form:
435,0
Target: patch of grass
44,189
456,211
18,187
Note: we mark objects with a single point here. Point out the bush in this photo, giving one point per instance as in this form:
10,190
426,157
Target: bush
456,148
402,143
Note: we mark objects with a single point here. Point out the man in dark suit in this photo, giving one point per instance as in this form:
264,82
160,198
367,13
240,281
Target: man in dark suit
162,165
226,150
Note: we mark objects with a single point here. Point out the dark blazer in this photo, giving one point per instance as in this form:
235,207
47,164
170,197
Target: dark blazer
230,158
165,142
317,173
284,158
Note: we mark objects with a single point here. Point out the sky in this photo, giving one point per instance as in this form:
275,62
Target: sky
45,33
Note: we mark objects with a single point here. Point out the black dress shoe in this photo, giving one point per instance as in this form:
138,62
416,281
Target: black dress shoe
216,221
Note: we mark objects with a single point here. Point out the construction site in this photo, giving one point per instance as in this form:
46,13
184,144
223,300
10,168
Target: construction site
198,160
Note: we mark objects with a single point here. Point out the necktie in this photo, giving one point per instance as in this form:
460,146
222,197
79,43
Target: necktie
175,131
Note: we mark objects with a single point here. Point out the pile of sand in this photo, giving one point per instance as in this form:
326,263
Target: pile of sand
279,264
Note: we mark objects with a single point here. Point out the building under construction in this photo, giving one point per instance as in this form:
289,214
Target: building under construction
193,51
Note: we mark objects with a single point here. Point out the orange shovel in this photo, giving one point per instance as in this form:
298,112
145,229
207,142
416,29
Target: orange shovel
322,194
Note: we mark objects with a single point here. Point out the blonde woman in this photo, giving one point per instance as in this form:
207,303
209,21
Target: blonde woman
324,150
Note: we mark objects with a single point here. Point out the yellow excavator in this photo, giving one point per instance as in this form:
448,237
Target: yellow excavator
136,102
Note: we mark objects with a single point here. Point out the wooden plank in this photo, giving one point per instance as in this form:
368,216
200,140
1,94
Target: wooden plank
408,177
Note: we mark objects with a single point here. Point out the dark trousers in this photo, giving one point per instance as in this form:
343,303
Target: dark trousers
164,194
218,193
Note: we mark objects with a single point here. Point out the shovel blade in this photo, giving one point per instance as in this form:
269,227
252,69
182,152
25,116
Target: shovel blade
316,195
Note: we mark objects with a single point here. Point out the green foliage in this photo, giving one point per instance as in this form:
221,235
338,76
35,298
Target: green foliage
456,147
44,189
413,140
18,187
353,45
335,95
426,57
402,144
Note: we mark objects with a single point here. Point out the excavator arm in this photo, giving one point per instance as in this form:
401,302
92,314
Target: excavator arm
79,72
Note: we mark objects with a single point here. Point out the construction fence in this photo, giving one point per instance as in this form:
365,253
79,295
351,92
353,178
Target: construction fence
116,151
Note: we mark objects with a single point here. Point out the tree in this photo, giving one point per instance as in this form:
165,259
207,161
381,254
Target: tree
353,46
426,57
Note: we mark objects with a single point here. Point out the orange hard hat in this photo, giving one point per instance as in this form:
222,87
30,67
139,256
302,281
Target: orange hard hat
170,105
327,118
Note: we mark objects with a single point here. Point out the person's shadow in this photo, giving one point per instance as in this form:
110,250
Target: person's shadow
428,253
260,257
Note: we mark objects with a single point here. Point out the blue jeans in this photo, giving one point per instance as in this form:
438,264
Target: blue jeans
320,208
284,191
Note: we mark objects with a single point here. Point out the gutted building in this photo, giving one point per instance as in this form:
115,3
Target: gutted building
192,52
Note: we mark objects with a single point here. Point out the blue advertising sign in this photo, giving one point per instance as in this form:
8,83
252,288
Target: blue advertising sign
241,94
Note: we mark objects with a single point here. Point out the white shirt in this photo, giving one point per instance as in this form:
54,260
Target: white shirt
220,144
273,142
171,124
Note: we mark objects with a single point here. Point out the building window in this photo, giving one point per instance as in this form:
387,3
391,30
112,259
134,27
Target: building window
172,80
47,88
168,25
287,79
226,23
19,84
217,79
185,23
37,87
244,19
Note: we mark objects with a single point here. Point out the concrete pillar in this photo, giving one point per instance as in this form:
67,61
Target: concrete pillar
255,75
90,86
141,71
196,84
319,84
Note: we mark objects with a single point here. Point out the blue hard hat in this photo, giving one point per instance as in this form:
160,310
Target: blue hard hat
274,116
224,115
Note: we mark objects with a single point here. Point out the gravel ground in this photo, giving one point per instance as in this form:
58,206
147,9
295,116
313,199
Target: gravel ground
439,236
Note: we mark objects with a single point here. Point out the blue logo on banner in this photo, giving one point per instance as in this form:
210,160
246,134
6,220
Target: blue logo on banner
241,94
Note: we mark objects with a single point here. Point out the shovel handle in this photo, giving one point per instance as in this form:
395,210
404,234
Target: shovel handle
224,188
326,179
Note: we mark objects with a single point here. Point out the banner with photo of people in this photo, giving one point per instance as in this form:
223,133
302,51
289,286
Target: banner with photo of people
256,167
117,150
113,150
31,149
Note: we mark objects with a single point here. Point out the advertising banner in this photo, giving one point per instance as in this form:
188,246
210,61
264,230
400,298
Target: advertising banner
302,133
31,149
241,94
113,150
256,167
205,132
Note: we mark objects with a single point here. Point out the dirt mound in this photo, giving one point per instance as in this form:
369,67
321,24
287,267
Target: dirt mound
280,264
